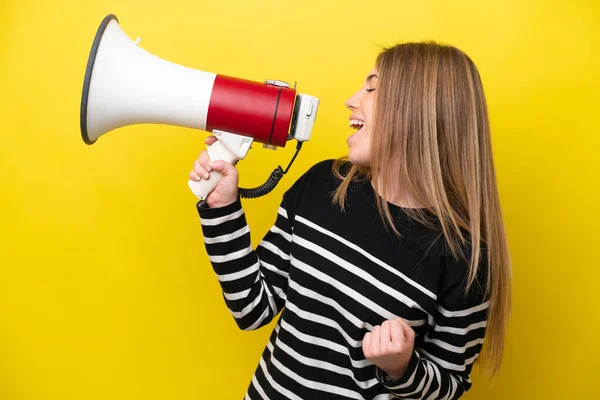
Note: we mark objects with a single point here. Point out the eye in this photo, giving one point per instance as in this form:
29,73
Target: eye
370,90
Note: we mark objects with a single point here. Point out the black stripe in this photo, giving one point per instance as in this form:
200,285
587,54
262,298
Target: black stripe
313,291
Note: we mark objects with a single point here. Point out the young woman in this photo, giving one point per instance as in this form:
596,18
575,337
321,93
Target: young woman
391,266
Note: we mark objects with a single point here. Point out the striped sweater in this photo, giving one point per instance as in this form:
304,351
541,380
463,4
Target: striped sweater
335,275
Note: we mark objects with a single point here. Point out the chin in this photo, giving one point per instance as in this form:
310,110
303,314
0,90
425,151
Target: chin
358,160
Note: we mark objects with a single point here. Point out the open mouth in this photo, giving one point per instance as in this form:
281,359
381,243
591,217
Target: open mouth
356,124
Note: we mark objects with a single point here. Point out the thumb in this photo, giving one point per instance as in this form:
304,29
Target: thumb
223,167
210,140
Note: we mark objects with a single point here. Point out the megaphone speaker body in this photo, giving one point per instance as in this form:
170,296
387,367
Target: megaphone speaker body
126,85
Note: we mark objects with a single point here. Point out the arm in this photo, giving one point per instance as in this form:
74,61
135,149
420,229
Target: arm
254,282
442,359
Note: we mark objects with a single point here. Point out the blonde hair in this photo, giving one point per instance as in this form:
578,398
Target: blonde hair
431,133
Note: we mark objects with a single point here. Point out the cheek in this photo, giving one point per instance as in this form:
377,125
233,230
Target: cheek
365,138
360,145
367,108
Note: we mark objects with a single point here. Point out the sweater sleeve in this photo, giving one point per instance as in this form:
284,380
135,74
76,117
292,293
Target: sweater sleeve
443,358
254,282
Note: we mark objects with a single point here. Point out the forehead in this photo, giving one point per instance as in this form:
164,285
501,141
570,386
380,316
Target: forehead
372,75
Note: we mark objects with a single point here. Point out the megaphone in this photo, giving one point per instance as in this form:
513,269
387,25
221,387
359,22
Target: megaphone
126,85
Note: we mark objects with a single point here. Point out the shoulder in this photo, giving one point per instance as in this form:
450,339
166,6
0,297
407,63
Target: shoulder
322,169
316,176
456,270
312,186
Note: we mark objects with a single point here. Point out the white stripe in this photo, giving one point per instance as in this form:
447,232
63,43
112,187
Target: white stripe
462,313
431,375
274,249
260,319
237,296
449,347
419,386
353,294
236,255
240,295
259,388
220,220
444,364
269,295
282,212
328,344
357,271
238,275
367,255
438,377
274,269
452,387
229,237
460,331
410,380
246,310
327,366
313,384
279,292
276,385
471,360
278,231
324,321
332,303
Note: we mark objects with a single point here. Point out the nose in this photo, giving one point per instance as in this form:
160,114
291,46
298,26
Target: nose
353,102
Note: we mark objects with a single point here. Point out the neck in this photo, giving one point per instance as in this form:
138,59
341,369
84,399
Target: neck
396,194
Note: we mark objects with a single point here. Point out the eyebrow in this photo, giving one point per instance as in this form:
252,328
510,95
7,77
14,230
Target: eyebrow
371,77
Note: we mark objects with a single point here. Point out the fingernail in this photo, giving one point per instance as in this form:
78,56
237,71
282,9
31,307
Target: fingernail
206,176
208,167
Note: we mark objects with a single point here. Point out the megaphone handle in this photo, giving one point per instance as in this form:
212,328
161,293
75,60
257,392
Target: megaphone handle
202,188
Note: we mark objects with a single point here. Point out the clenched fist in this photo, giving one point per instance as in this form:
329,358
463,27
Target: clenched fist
390,346
226,190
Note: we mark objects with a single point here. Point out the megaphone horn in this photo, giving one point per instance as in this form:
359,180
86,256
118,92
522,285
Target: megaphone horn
126,85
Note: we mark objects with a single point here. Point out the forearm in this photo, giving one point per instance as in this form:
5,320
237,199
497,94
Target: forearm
425,379
253,291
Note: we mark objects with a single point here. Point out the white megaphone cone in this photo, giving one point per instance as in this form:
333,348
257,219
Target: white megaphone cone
126,85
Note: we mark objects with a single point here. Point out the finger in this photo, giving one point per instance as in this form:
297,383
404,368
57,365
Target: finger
200,171
375,340
194,176
386,336
397,335
210,140
223,167
408,332
204,158
366,345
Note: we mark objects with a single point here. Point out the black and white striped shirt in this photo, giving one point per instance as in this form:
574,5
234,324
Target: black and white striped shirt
335,275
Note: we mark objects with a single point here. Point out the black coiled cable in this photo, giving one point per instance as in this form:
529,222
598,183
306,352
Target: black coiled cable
270,184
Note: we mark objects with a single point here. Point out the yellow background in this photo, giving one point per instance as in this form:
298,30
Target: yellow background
105,288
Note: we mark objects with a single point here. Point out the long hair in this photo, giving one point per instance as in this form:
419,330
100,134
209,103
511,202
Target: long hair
431,134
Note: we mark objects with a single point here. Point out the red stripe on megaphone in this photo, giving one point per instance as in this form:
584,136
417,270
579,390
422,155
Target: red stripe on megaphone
251,108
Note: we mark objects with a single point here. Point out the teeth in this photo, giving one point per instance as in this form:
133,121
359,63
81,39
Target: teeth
356,122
